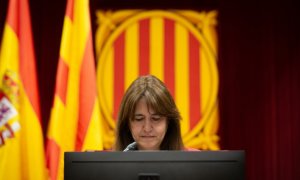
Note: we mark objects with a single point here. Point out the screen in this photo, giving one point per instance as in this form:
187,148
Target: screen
155,165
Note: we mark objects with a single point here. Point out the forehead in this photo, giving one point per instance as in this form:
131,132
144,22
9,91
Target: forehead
143,106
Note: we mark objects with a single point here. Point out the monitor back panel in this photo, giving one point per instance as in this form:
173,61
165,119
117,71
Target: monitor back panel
160,165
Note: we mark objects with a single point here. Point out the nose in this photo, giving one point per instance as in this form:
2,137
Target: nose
147,125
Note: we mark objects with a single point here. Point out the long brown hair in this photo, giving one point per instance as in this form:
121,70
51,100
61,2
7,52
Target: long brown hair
159,98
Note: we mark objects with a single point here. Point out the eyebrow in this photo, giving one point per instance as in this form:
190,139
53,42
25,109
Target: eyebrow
154,114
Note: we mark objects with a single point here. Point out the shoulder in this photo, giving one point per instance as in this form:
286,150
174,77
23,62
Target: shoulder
190,149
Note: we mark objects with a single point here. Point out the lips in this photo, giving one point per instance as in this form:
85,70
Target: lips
147,136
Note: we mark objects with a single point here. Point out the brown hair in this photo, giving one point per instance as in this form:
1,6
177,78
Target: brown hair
157,97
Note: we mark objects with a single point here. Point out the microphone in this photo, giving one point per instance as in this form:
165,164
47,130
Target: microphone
131,147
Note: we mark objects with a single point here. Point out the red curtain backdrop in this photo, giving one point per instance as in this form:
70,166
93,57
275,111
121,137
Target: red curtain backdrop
260,86
259,66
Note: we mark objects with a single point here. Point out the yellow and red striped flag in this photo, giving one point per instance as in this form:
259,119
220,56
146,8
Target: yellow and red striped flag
21,138
75,117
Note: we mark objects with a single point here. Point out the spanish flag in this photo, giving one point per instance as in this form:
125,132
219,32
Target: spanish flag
75,116
21,137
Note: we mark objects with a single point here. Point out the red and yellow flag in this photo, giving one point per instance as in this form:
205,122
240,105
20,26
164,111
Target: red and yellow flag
21,138
75,116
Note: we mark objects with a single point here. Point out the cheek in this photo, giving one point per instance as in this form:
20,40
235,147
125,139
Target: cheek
134,129
162,129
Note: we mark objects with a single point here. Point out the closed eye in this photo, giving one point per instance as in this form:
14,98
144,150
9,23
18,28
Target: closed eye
156,117
138,117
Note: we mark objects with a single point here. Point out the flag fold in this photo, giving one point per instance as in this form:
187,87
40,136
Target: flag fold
21,137
75,117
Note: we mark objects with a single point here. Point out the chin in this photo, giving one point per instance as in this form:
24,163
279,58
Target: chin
150,148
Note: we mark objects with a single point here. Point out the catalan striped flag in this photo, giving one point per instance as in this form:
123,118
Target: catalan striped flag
21,137
75,116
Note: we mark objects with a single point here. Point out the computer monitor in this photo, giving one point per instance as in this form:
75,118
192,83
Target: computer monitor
155,165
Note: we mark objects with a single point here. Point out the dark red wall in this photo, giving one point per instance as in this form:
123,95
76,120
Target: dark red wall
260,84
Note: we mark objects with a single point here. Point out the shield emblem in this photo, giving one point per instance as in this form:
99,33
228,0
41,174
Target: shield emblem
179,47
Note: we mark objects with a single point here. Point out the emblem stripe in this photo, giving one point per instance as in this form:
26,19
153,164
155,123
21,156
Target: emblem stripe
131,54
108,80
119,61
181,75
156,47
144,44
169,55
194,73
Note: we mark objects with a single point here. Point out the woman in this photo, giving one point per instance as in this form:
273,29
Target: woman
148,116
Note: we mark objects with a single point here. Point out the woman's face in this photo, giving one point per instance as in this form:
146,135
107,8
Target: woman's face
148,129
